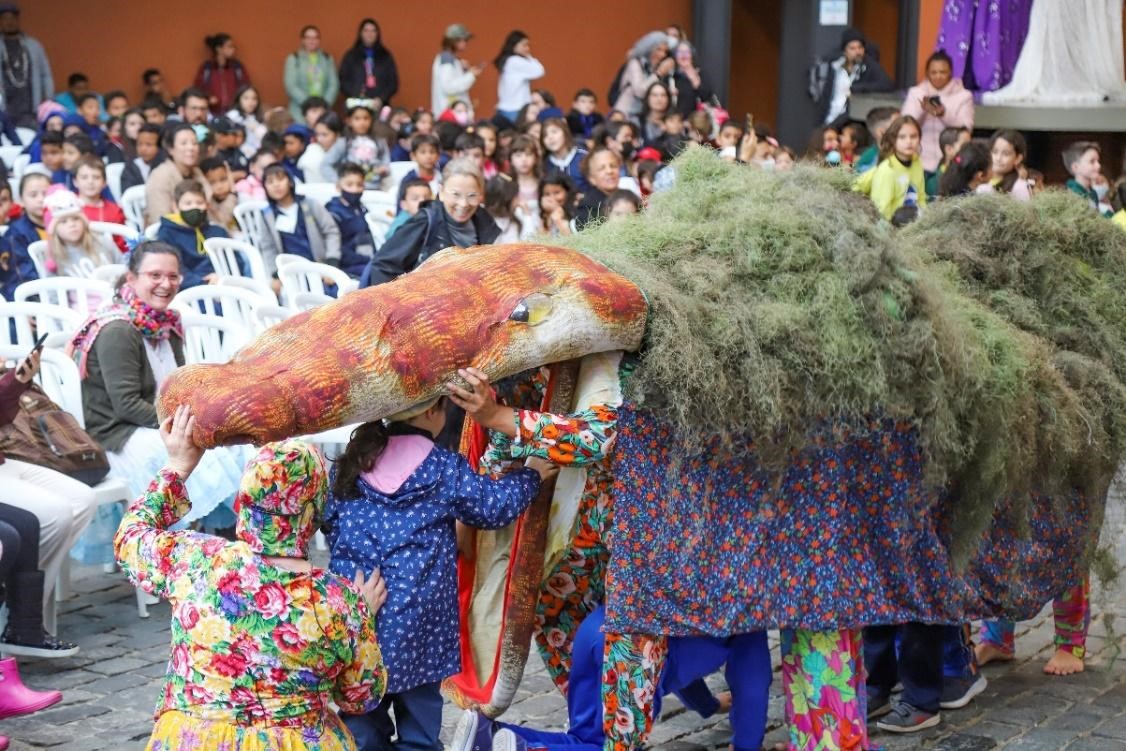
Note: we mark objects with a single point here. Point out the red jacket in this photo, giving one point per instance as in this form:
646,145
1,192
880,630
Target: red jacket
221,83
107,212
10,392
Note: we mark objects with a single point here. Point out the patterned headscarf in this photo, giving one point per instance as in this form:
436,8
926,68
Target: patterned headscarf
280,499
126,306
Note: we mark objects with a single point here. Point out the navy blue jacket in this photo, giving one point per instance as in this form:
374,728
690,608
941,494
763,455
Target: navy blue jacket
16,266
573,169
356,243
193,265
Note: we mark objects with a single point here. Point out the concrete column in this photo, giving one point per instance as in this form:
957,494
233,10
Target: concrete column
804,39
711,26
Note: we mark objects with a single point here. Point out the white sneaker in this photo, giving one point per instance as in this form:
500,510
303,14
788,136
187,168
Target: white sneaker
506,740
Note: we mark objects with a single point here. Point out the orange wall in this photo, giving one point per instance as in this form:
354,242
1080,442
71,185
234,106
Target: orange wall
580,43
756,30
879,21
930,17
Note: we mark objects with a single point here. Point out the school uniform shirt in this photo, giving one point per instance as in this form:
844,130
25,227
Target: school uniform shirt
889,183
402,521
569,165
1088,193
356,242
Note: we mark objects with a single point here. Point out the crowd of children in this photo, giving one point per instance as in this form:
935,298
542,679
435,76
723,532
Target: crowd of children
532,170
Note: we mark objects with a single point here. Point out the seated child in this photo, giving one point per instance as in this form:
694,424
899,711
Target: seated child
229,136
312,109
186,228
730,134
470,145
951,141
364,147
23,231
90,183
295,140
557,205
221,207
620,204
356,242
251,188
582,119
51,153
878,121
72,249
413,193
138,169
1082,160
424,151
294,224
328,134
90,110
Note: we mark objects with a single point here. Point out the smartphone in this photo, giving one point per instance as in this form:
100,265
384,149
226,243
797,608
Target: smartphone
40,342
935,101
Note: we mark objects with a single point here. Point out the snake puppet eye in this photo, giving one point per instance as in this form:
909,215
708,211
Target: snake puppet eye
532,310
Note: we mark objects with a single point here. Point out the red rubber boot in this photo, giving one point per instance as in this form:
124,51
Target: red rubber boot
16,698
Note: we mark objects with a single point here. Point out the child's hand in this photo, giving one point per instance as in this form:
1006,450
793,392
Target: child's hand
542,467
480,403
374,589
176,432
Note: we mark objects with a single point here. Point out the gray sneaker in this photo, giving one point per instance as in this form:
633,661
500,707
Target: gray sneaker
904,718
958,692
878,707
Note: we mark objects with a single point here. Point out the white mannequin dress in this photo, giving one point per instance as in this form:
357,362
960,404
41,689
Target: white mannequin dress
1072,55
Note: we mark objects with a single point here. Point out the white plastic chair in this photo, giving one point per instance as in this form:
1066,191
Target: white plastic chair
70,292
264,292
19,165
114,230
109,273
27,135
271,315
307,276
309,300
281,259
321,193
380,202
152,231
398,170
225,253
133,204
211,339
58,375
38,253
113,179
47,318
378,224
248,215
9,154
223,301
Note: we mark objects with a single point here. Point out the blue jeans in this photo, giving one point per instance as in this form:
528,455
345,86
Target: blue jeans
918,665
418,720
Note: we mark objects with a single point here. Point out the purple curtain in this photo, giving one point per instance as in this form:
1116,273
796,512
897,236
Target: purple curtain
984,38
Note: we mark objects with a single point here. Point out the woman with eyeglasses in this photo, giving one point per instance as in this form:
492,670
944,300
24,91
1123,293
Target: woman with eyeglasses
124,351
309,72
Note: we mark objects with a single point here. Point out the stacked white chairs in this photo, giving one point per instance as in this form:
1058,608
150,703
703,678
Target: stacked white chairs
9,154
58,375
308,300
47,319
133,204
71,292
248,215
113,179
212,339
308,276
398,170
27,135
115,230
38,253
271,315
19,165
109,273
223,301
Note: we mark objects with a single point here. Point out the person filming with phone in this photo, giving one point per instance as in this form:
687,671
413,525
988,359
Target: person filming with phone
938,102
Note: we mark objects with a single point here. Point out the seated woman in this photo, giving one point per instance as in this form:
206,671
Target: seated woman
186,229
261,640
62,507
125,350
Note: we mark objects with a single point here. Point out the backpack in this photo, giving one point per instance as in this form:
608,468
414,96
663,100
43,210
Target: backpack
616,86
818,76
44,435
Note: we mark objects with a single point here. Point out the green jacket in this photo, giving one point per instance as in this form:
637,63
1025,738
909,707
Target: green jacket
1088,193
305,78
119,392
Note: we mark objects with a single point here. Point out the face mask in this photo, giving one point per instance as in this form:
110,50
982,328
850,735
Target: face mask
1101,191
767,164
627,150
353,199
194,217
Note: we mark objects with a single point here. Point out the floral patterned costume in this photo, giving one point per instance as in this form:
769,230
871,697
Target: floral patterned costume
257,652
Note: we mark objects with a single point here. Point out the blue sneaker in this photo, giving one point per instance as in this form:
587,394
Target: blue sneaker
474,733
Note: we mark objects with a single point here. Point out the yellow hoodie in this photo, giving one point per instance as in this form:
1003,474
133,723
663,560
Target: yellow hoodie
1120,218
887,184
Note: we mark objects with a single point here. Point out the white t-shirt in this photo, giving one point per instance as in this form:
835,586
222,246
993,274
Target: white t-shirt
514,88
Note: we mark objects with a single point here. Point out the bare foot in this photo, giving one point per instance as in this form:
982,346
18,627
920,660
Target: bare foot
724,699
987,653
1063,663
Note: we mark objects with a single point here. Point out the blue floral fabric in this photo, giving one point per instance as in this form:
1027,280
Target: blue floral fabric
410,536
849,535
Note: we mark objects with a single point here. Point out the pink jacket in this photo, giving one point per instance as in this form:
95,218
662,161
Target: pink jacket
959,104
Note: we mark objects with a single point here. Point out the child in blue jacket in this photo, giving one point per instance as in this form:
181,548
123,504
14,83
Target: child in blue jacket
393,504
186,228
356,243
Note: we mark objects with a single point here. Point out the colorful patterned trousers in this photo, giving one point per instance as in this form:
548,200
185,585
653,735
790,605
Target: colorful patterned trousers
1072,613
823,686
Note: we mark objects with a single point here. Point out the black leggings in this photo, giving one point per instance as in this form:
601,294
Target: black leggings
19,534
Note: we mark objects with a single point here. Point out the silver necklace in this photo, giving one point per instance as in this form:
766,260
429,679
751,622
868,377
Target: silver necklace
16,71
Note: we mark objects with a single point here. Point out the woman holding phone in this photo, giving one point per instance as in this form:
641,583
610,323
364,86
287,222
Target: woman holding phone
938,102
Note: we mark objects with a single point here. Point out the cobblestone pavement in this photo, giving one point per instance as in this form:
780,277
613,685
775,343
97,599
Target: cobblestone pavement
111,685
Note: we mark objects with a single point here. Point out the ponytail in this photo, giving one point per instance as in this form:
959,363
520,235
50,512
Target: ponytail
364,447
972,158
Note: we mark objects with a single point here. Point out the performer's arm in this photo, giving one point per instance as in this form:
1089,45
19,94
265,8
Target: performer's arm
359,688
